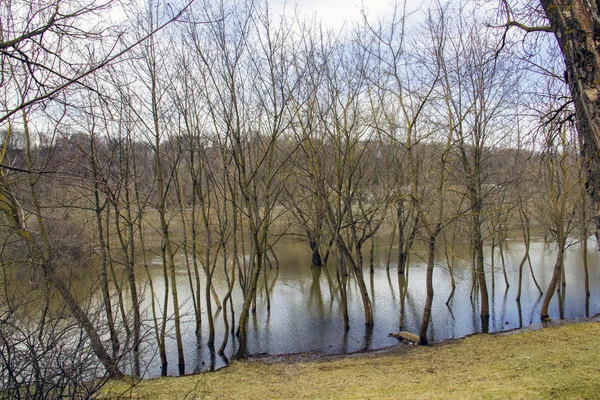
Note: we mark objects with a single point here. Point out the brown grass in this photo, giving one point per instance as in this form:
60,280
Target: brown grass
552,363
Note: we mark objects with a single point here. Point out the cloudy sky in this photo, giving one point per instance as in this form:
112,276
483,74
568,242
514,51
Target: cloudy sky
335,12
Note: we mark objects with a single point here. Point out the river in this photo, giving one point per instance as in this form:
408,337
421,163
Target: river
305,314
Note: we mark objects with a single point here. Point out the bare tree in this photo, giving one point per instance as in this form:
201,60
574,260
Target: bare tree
561,201
480,86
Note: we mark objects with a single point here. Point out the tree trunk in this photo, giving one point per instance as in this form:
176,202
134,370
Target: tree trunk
480,272
372,255
577,28
527,241
558,266
585,268
342,281
104,275
429,298
316,255
358,274
389,254
501,247
249,297
403,292
84,322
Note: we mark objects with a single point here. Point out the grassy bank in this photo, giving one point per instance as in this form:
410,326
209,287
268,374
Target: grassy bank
552,363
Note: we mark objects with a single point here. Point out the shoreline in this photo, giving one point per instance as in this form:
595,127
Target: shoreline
562,361
396,348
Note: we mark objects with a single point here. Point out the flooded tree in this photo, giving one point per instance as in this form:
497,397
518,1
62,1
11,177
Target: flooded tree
163,189
561,201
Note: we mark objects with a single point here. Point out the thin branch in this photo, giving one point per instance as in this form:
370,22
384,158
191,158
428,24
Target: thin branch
529,29
93,69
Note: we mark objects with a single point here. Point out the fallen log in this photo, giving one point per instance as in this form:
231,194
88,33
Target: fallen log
409,337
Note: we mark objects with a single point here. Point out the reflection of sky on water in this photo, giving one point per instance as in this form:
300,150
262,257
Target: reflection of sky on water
305,317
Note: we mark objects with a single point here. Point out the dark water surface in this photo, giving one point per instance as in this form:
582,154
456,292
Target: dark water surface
305,313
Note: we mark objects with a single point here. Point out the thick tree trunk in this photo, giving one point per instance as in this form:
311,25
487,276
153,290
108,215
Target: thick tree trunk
576,24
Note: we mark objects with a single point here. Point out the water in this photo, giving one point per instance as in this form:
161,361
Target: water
305,313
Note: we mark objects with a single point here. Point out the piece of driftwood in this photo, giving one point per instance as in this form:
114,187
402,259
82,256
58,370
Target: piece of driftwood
411,337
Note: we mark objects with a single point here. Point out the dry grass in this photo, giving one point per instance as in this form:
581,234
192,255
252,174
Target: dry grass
553,363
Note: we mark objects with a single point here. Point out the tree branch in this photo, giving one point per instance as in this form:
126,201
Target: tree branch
526,28
109,59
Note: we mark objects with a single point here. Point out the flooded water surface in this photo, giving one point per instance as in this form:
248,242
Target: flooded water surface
305,313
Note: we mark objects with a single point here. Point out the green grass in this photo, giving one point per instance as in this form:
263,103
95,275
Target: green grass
552,363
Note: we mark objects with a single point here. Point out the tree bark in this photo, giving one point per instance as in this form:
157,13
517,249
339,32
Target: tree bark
576,25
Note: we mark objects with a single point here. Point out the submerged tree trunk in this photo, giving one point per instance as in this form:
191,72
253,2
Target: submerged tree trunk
391,245
480,272
358,275
584,236
429,285
316,255
501,248
342,281
527,239
585,268
248,299
558,267
450,263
